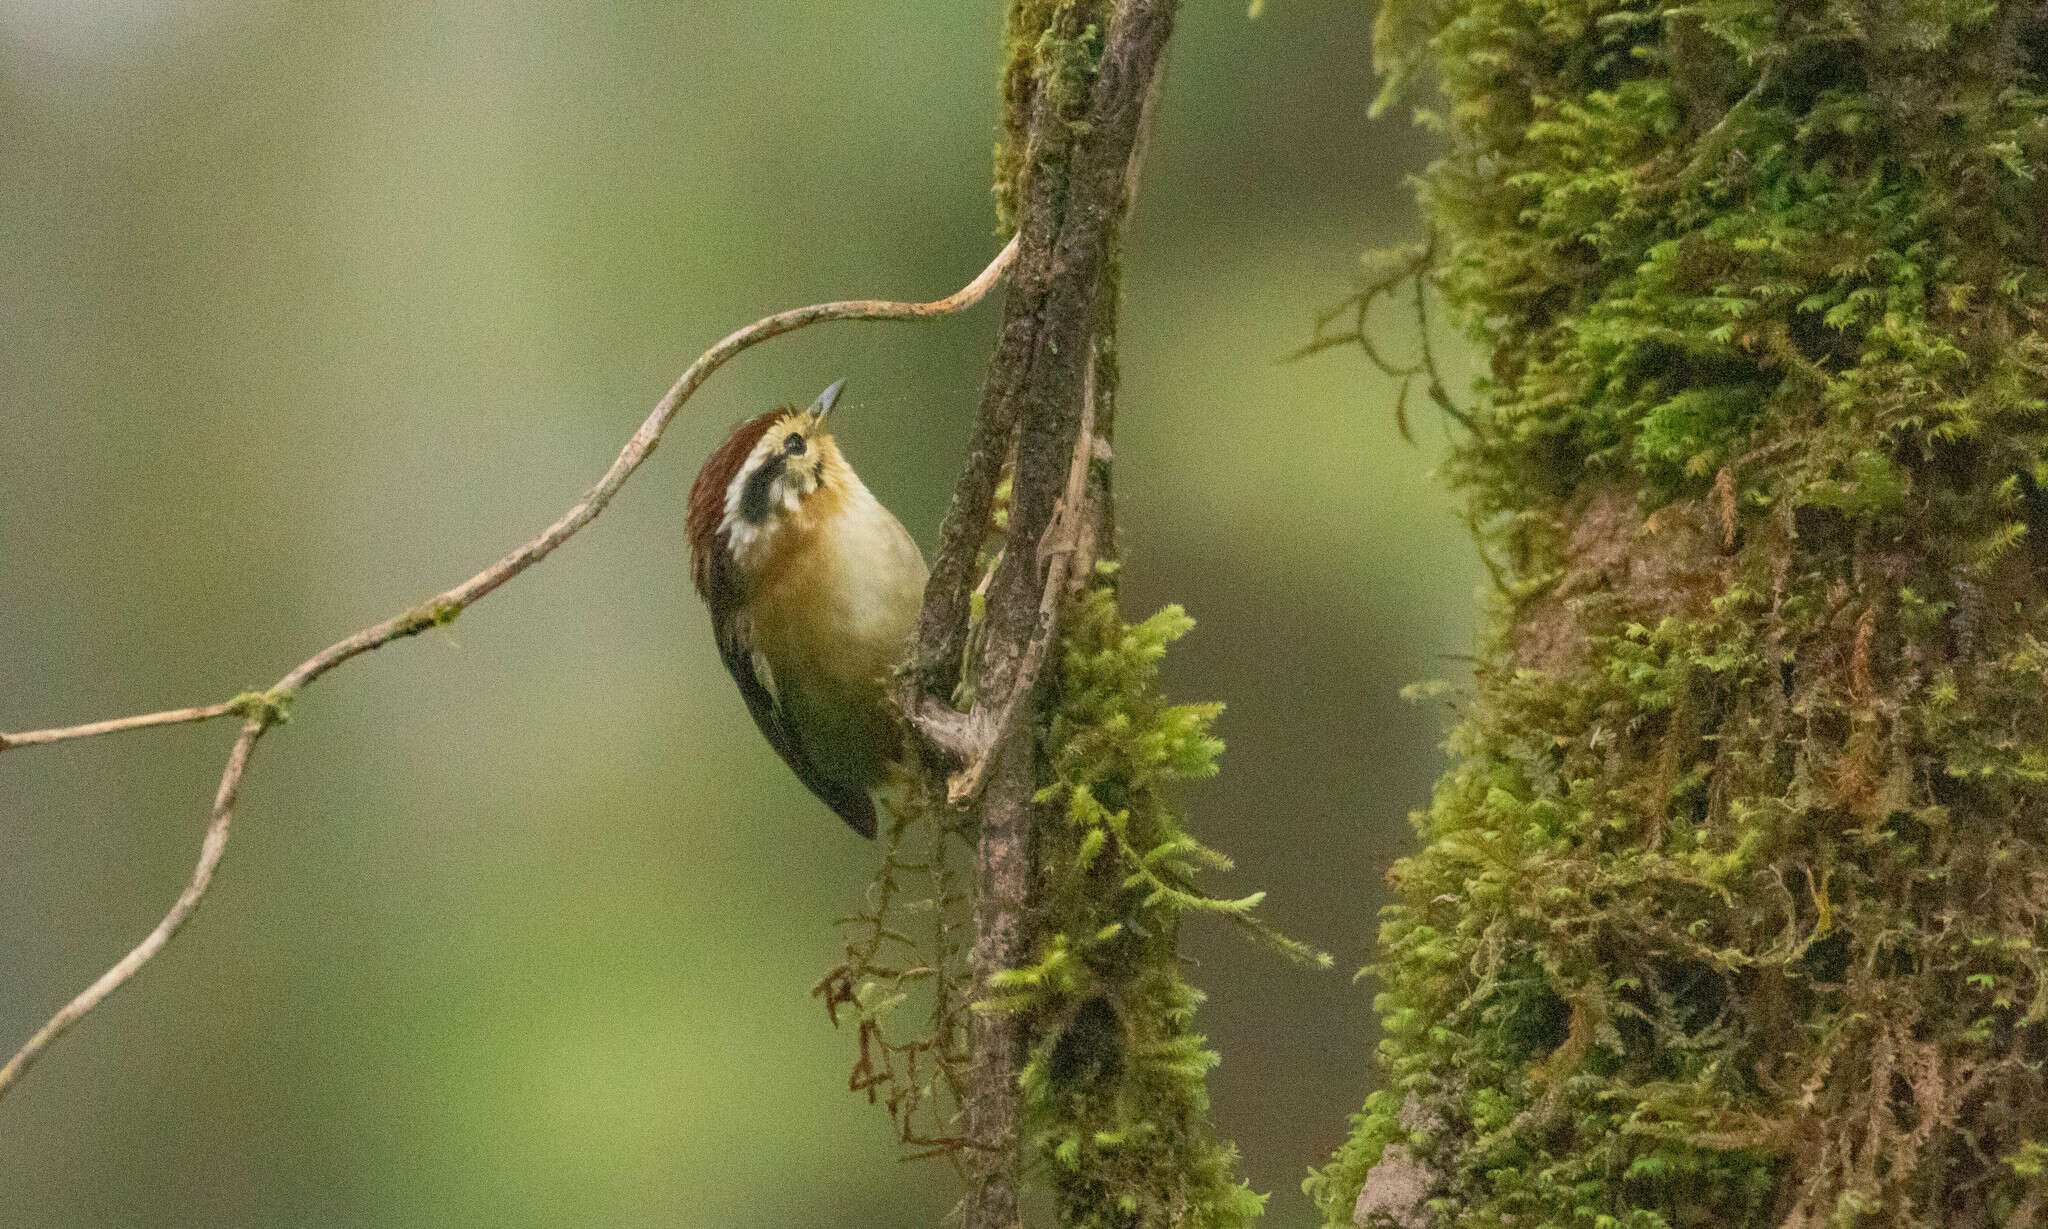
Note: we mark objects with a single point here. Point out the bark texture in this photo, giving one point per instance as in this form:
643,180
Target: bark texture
1732,908
1076,87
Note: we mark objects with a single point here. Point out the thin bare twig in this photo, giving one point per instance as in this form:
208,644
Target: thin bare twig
92,729
265,709
211,848
1410,263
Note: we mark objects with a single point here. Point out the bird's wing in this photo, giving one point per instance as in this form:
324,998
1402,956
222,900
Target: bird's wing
757,687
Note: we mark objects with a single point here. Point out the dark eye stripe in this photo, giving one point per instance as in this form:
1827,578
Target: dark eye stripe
754,501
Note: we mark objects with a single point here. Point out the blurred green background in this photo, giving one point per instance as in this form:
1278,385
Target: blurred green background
307,310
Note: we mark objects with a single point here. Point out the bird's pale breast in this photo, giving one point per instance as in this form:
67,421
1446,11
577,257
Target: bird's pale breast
833,610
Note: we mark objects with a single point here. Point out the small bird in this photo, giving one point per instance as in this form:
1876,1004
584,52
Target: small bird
814,590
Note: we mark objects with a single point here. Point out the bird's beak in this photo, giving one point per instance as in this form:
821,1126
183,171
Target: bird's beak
827,399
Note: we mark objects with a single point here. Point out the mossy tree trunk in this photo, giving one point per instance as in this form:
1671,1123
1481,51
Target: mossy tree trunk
1732,908
1084,1070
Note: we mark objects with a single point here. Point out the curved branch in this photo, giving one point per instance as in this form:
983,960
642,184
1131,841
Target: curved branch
262,710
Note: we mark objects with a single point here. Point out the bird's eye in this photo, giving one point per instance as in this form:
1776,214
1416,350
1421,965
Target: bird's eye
794,445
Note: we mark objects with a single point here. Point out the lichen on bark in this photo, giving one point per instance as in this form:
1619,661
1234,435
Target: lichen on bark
1731,909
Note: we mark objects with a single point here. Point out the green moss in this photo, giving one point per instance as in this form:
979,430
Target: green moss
1731,910
1050,50
1024,26
1116,1088
1115,1120
273,707
437,612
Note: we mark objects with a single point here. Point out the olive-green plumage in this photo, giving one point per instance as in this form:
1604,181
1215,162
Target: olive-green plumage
813,589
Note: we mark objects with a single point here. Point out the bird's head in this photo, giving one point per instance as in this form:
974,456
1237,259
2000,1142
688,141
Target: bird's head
776,471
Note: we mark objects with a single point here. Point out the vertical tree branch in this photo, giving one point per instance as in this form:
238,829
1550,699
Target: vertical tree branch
1083,135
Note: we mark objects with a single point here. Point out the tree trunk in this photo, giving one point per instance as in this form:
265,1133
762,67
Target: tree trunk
1732,908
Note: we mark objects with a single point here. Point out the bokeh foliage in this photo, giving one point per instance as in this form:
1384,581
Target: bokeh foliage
309,309
1733,909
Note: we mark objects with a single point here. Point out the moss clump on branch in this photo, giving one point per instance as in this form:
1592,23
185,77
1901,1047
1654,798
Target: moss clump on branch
1050,50
272,707
438,612
1116,1086
1733,909
1115,1111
